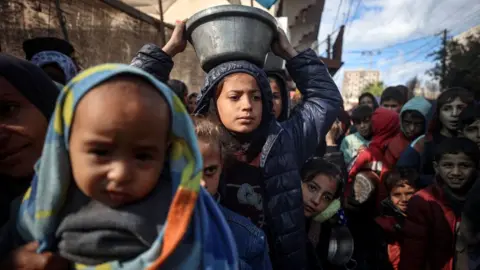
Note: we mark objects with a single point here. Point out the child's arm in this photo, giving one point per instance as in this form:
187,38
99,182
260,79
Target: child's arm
363,158
158,62
155,61
321,100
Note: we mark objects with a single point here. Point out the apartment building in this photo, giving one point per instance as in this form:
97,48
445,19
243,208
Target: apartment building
355,81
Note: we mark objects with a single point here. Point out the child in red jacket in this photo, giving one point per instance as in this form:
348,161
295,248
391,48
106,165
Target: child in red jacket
434,213
400,185
385,126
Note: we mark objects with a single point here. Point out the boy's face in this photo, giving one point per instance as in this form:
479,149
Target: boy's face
364,127
456,170
212,166
239,103
400,195
413,124
472,132
392,105
318,194
450,112
119,141
277,98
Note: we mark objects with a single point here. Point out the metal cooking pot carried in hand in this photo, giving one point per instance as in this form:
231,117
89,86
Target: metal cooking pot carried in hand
340,248
231,32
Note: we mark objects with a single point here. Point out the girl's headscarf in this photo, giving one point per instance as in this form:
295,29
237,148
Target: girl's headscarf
31,82
53,57
192,210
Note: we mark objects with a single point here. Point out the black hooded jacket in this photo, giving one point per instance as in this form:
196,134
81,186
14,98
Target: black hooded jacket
288,144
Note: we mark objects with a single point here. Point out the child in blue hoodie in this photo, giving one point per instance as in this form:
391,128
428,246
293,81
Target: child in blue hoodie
414,119
251,242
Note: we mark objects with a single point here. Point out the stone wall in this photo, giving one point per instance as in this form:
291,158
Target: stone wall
99,31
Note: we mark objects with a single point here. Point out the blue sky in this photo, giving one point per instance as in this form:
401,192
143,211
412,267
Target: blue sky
400,32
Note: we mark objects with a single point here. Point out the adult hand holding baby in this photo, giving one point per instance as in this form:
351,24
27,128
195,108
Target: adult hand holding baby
26,258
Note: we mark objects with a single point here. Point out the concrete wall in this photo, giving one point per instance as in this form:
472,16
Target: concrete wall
99,32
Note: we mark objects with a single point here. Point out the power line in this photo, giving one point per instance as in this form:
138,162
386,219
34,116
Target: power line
355,12
453,15
336,16
414,50
469,18
394,45
348,13
429,50
353,16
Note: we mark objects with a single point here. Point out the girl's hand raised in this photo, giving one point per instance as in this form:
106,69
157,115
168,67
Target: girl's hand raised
282,47
178,40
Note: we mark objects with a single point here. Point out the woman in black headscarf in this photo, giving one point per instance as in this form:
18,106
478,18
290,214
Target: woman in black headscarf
27,100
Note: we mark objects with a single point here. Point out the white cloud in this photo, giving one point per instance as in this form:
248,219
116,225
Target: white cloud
399,74
381,23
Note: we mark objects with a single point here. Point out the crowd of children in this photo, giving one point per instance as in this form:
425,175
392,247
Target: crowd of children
125,169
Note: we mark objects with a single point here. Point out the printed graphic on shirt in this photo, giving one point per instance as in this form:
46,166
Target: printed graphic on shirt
249,202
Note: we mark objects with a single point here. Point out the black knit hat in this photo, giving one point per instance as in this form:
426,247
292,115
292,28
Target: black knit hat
31,82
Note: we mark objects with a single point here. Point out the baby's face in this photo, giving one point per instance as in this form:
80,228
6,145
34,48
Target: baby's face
119,140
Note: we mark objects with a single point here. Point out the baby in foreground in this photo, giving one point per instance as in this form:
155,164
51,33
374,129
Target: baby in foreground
118,182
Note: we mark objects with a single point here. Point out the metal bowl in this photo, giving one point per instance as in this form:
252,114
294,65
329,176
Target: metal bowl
231,32
341,246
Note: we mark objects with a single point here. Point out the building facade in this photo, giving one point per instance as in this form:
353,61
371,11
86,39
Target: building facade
354,82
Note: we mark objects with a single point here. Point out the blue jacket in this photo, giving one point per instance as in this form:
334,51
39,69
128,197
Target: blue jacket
251,242
288,144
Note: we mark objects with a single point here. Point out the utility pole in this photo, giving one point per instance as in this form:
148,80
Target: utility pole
162,26
444,59
372,54
329,46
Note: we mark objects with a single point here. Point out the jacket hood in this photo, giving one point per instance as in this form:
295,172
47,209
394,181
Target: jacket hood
280,78
385,126
217,74
418,104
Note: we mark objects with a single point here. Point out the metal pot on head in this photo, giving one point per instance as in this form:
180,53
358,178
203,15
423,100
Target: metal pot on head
231,32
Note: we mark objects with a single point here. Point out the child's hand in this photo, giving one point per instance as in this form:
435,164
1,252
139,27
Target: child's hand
334,133
282,47
26,258
178,40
